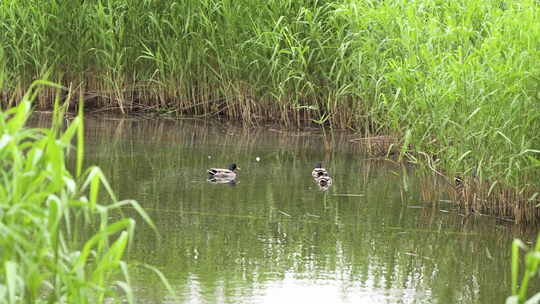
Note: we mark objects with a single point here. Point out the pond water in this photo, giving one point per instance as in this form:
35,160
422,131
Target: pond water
375,236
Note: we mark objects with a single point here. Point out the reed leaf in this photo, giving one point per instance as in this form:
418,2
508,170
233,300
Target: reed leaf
45,258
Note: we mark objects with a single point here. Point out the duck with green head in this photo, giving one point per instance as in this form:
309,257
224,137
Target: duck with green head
224,173
319,171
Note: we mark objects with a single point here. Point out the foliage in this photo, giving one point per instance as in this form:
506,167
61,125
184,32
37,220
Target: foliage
532,260
58,244
457,79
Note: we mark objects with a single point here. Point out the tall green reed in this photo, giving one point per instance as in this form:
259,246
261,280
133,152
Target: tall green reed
455,79
58,241
520,289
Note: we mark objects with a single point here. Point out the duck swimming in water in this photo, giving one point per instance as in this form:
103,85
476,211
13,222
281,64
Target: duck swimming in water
224,173
321,177
319,171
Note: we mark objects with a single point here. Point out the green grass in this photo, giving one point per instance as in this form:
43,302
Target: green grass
520,289
58,242
458,81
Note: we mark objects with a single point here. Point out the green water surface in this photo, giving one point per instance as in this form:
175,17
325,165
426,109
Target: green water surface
274,237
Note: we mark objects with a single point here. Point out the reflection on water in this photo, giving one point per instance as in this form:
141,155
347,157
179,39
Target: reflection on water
374,236
223,181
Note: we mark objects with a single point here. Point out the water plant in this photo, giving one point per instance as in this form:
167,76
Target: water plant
520,289
59,241
455,80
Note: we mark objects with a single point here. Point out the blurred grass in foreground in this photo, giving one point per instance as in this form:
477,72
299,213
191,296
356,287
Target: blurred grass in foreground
58,243
531,259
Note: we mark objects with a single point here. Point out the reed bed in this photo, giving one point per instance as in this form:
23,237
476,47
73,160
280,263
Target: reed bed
457,82
59,243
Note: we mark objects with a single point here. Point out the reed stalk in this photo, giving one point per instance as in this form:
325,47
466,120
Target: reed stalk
531,260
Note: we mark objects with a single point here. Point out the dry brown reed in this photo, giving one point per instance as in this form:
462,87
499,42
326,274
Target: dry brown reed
493,198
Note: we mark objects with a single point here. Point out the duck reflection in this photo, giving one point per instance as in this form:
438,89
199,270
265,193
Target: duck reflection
225,181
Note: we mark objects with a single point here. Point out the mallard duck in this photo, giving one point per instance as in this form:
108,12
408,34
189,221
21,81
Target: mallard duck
458,180
318,171
224,173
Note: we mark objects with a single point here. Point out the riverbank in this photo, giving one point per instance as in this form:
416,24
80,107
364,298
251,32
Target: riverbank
456,81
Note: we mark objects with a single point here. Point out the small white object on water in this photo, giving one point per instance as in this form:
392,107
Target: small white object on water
257,158
209,156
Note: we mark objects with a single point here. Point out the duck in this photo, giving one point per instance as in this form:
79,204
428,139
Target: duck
319,171
458,180
224,173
